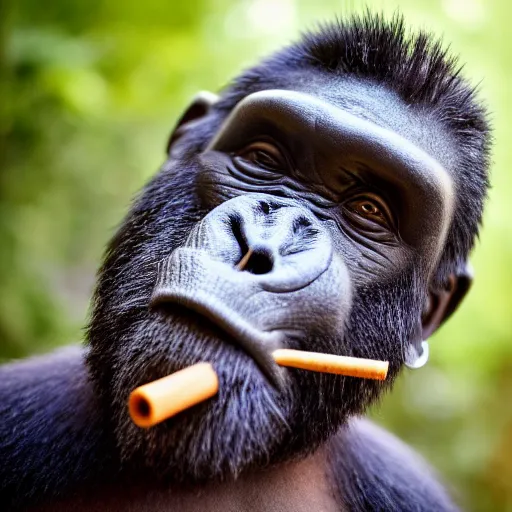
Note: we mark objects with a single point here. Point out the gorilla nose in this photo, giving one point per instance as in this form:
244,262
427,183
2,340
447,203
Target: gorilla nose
275,239
238,261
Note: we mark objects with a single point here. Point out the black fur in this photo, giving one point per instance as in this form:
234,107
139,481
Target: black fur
375,471
52,439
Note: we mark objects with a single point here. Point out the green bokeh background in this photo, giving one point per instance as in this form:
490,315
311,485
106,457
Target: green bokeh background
89,91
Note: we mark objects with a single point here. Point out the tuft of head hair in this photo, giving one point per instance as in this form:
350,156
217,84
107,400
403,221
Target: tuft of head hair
418,68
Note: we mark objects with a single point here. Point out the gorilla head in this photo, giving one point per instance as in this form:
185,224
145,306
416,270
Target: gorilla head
353,164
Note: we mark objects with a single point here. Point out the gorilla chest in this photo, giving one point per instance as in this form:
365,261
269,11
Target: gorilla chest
301,486
298,487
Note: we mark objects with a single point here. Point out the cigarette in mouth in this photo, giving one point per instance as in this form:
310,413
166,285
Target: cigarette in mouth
161,399
330,363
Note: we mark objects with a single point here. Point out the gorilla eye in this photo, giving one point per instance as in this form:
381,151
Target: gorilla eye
370,208
265,155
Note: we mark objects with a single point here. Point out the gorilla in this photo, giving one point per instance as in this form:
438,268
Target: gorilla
354,165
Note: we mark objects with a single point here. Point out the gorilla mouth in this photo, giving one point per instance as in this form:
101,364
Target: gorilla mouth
258,344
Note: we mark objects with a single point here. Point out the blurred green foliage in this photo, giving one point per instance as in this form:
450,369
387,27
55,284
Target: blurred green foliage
89,91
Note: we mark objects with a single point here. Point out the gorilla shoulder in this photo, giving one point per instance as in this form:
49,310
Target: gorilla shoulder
373,470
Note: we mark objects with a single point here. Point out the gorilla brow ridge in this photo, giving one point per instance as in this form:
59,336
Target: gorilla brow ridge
421,71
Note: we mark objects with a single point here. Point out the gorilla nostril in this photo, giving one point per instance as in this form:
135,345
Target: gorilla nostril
300,224
257,261
260,262
265,207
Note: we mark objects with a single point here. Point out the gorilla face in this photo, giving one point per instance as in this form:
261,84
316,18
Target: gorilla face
346,216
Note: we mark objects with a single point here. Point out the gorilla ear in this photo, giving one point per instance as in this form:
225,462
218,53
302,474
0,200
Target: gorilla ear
199,107
443,302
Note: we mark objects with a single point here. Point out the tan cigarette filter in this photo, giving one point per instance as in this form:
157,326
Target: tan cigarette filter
159,400
329,363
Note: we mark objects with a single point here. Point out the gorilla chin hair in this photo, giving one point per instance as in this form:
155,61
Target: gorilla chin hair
239,427
249,423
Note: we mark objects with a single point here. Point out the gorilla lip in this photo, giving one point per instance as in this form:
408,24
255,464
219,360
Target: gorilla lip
258,344
159,400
